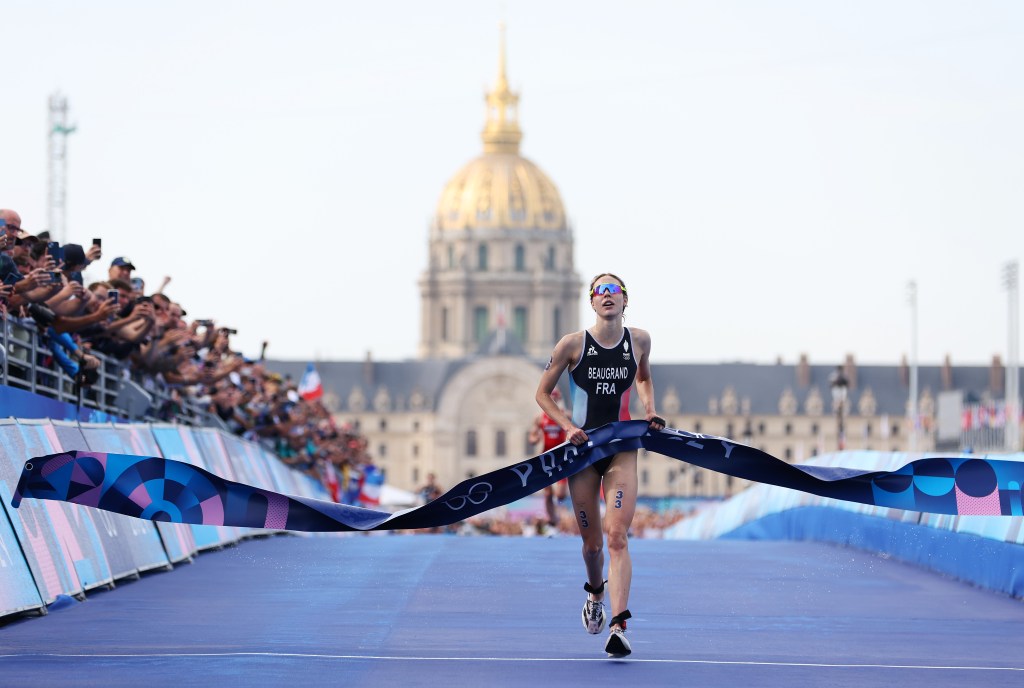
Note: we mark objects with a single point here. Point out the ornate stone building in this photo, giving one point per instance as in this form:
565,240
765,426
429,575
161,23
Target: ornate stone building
500,288
501,251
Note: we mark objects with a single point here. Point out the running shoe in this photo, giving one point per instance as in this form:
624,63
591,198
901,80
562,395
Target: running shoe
593,616
617,645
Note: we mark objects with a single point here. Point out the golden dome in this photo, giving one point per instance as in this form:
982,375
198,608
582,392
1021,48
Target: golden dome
500,189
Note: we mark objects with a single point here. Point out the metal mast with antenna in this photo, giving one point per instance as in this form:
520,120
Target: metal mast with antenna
57,164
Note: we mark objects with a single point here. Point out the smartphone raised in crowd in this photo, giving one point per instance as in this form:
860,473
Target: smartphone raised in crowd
53,248
97,242
113,295
55,277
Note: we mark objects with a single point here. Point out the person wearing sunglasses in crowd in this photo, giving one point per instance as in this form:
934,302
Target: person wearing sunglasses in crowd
603,363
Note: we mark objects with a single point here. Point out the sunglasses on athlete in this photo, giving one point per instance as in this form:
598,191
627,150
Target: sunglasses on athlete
606,289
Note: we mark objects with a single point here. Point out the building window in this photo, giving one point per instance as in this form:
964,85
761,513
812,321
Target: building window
696,426
470,474
527,444
519,322
520,258
415,475
643,477
728,429
415,450
451,256
698,478
788,429
867,430
895,431
550,264
444,324
481,257
479,323
814,428
814,451
788,453
415,426
382,450
557,324
500,448
471,443
760,428
383,424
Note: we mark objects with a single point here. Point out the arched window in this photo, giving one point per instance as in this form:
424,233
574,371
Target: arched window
520,258
481,257
500,445
471,443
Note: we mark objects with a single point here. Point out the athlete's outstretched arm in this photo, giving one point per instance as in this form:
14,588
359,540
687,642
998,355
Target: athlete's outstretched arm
562,357
644,382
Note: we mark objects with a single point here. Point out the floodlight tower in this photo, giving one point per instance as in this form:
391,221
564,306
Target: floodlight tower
1011,281
56,197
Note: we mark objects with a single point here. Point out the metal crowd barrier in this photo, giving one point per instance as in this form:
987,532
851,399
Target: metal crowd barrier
119,391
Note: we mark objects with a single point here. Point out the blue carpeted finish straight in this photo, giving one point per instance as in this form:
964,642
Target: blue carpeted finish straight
435,610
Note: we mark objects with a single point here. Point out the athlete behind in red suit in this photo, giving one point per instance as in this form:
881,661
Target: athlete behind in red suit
547,429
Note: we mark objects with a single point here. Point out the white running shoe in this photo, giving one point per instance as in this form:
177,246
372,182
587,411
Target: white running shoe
617,645
593,616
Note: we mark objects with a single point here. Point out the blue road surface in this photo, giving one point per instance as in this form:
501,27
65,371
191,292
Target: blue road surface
430,610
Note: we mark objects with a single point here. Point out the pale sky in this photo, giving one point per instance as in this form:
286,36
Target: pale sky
766,176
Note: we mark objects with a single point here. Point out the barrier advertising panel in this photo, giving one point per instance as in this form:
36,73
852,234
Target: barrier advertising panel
17,589
41,543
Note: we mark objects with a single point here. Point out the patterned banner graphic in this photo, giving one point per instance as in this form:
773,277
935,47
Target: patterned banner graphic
167,490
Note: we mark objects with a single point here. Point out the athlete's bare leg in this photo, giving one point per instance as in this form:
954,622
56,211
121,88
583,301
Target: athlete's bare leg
584,490
549,505
620,487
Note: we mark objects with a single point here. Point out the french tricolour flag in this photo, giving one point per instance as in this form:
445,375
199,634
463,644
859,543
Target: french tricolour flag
310,387
373,482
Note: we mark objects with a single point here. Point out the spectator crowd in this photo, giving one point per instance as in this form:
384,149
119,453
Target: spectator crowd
146,331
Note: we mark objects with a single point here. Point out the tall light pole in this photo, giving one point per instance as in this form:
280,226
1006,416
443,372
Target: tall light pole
57,164
840,388
912,300
1011,282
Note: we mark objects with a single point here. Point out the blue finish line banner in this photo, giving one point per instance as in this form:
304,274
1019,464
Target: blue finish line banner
167,490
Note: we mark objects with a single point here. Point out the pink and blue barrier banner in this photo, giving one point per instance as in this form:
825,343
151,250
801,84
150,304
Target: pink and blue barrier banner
164,490
17,588
61,547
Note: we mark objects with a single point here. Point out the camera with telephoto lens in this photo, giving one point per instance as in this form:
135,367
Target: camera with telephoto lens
43,316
